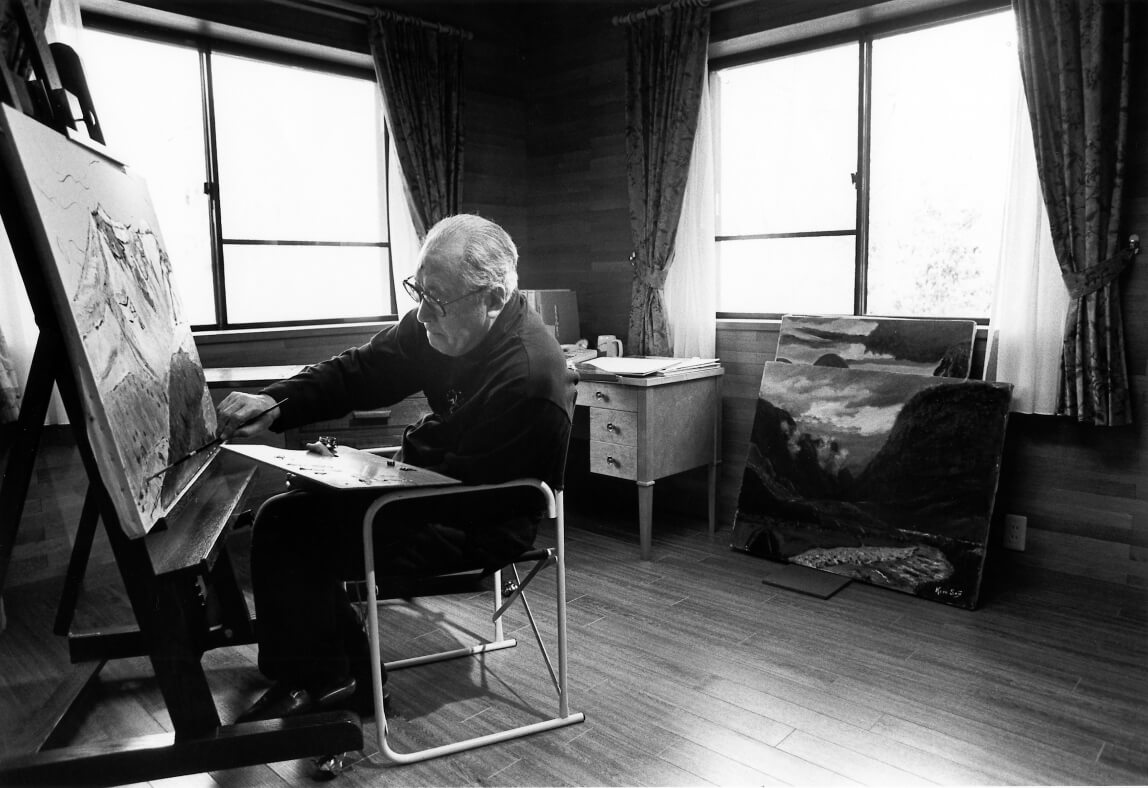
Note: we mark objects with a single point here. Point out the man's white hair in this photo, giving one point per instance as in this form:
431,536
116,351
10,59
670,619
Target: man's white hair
489,256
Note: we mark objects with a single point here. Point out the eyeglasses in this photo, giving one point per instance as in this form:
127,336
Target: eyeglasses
416,292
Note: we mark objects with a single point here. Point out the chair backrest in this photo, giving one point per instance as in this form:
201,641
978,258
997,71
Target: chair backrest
555,475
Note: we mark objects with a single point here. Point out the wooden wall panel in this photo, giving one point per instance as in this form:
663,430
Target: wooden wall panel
579,225
494,166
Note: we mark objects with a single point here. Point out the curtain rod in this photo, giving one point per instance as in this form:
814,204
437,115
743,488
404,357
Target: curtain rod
634,16
353,12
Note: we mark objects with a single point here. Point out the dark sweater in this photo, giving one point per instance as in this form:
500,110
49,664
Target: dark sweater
500,412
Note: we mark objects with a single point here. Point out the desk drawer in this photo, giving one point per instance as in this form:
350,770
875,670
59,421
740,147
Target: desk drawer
614,426
607,395
613,459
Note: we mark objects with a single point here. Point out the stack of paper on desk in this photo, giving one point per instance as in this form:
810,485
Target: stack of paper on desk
686,364
641,366
630,365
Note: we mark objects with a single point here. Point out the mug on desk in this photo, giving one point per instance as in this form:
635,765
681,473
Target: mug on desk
609,345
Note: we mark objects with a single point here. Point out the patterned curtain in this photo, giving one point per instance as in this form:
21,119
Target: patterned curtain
1075,58
419,69
665,73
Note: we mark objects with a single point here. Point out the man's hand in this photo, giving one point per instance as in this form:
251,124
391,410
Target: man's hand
237,407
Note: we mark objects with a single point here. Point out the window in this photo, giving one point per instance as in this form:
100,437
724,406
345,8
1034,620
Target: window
268,180
866,177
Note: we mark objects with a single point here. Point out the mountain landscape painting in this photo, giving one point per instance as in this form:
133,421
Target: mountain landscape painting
882,477
137,369
936,347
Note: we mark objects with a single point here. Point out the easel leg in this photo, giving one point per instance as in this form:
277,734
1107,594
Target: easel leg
77,564
165,609
22,456
234,613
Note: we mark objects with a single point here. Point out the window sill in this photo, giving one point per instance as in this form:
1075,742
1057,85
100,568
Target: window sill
287,332
748,324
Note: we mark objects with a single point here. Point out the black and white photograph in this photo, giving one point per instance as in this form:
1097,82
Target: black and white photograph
573,393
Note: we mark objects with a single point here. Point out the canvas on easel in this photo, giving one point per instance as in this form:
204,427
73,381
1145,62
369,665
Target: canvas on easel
137,368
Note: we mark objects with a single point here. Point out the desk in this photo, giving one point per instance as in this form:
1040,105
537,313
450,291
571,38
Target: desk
647,428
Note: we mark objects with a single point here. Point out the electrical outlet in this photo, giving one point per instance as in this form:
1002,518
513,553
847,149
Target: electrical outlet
1015,528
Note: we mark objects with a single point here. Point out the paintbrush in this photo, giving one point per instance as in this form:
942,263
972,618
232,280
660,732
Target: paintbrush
215,442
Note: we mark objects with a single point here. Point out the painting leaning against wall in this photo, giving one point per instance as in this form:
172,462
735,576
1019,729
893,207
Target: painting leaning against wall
109,280
940,346
883,477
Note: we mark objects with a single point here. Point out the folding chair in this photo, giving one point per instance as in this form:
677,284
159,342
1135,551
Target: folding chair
455,582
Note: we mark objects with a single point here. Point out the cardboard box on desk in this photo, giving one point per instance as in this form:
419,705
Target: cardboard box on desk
559,309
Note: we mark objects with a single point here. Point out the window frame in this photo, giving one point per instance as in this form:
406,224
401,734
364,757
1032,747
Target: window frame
205,46
863,36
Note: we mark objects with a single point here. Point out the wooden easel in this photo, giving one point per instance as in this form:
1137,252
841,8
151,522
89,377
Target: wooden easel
179,578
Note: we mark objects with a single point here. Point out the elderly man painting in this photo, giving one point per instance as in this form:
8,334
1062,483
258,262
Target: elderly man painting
502,400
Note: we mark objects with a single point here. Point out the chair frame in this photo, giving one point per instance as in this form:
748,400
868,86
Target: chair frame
554,507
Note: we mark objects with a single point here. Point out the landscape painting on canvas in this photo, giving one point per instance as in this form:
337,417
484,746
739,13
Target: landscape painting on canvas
878,476
136,365
937,347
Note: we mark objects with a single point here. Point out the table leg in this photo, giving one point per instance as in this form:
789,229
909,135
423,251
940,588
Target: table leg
712,502
645,517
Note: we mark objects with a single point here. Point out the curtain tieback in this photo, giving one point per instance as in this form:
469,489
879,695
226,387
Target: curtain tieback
1089,281
652,276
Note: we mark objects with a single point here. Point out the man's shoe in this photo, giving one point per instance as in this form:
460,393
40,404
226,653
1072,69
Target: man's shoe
334,693
284,700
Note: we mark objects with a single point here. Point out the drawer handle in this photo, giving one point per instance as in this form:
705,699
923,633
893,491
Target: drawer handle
611,461
600,395
610,427
378,416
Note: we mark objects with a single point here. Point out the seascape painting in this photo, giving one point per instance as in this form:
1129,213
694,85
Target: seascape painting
882,477
938,347
136,366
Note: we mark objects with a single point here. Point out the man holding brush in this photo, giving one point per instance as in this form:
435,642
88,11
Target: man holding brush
502,401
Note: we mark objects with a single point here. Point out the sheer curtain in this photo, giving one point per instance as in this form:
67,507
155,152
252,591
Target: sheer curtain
404,238
18,332
1026,325
691,283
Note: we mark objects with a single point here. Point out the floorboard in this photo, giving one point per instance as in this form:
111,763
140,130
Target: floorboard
693,672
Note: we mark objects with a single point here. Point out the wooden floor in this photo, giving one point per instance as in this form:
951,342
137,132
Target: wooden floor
692,672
